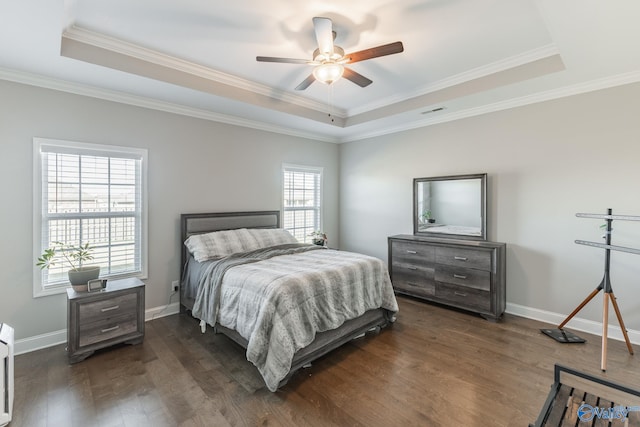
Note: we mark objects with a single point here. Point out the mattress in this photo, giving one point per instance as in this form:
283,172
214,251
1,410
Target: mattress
279,298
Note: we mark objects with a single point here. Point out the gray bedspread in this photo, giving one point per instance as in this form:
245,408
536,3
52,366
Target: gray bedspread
279,298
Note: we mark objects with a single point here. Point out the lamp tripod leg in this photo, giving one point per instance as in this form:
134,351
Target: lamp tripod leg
605,329
585,302
621,322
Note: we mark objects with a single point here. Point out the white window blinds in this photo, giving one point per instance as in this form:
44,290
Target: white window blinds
302,201
91,194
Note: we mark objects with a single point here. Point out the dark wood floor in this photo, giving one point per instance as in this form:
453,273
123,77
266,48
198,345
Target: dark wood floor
434,367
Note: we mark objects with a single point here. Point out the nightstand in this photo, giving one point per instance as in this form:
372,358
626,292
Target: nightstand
103,318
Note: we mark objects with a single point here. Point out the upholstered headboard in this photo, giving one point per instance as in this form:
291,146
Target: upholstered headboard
208,222
198,223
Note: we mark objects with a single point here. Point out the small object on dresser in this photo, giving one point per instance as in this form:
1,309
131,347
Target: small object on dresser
96,285
96,320
319,238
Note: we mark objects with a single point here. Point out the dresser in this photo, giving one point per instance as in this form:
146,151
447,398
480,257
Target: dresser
467,274
102,318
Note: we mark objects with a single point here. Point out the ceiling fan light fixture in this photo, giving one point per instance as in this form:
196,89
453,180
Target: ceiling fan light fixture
335,56
328,72
329,59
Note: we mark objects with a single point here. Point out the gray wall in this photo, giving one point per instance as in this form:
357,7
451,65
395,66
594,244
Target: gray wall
194,166
545,162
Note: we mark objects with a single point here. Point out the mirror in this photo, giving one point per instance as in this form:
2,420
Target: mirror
450,206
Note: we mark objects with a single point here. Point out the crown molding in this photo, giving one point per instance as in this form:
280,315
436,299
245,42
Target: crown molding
153,104
473,74
120,97
563,92
112,44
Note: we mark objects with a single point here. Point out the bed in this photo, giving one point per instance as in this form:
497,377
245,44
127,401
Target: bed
268,294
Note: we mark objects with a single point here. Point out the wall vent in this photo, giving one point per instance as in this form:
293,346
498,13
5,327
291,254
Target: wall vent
435,110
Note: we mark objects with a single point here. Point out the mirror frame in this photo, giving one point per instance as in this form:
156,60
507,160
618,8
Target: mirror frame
483,206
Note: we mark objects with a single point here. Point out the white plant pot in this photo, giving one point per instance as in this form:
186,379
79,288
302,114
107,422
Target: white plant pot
79,277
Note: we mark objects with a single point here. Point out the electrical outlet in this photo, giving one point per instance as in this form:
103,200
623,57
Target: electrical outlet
175,285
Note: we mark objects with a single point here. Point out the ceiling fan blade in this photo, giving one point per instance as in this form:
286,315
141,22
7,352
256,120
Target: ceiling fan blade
282,60
324,34
356,78
306,82
374,52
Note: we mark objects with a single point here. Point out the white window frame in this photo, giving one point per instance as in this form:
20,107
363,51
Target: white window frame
40,290
304,169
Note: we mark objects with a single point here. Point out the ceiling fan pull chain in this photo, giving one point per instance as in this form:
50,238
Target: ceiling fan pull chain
330,101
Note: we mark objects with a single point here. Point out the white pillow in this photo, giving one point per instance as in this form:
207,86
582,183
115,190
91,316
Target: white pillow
219,244
266,237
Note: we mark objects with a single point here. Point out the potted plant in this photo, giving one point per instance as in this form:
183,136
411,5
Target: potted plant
75,256
319,238
426,216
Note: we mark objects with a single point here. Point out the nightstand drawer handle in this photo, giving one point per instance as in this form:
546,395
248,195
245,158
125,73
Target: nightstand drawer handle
460,258
110,329
460,294
115,307
459,276
411,252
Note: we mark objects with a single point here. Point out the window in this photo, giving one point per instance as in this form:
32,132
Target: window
302,201
88,193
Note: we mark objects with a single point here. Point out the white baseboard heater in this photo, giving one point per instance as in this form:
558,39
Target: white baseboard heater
6,373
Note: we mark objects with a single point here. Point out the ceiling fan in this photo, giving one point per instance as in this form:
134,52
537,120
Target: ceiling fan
329,59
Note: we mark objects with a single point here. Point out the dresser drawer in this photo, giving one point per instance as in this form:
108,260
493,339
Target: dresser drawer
106,329
415,280
466,274
91,312
467,277
464,297
463,257
408,252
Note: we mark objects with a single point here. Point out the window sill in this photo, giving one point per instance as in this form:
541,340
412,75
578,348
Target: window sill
49,290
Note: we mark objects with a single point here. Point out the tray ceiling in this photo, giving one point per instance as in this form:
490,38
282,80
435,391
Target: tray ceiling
461,57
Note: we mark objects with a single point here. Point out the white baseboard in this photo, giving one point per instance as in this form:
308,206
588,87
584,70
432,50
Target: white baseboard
162,311
576,323
50,339
38,342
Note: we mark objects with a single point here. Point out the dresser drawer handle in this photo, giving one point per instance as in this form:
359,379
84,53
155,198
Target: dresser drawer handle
411,252
109,329
412,268
460,258
459,276
459,294
412,284
115,307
